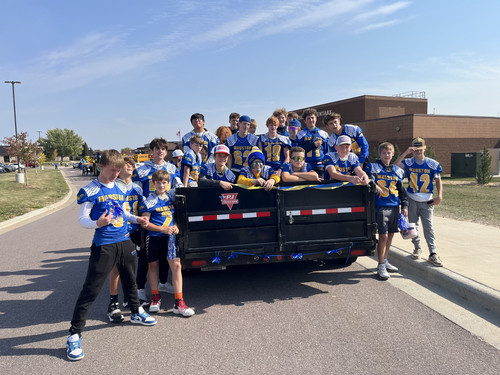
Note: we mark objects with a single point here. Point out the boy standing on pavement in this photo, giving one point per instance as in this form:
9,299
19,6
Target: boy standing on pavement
389,195
422,172
101,208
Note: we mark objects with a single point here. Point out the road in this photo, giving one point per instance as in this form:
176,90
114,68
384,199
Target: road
297,318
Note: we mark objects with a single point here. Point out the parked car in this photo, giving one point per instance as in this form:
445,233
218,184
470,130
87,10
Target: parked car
77,164
21,166
30,164
3,170
8,167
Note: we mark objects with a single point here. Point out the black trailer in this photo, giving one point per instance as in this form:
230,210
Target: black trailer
290,223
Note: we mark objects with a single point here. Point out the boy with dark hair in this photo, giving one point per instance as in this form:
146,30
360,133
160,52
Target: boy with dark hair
422,172
358,140
102,208
313,141
142,177
159,208
191,162
390,194
298,169
209,139
233,122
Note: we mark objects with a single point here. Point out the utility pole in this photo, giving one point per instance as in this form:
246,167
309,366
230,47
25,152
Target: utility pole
15,119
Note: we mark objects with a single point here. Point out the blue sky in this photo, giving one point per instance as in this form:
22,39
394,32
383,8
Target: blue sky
120,73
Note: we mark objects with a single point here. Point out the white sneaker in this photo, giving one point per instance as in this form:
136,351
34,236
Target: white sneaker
389,267
141,293
167,288
382,272
154,304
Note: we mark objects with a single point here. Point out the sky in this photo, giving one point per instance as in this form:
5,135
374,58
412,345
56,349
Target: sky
120,73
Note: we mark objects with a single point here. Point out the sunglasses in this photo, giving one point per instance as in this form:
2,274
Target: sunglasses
298,158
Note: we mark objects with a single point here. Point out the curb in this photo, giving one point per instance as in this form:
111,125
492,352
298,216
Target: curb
470,290
35,214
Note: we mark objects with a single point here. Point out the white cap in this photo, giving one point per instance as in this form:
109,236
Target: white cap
177,153
343,140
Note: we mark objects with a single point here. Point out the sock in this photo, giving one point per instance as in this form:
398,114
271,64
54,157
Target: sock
177,297
155,292
113,298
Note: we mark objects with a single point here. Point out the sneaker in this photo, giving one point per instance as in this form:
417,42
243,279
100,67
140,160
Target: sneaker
382,272
434,259
125,304
141,293
389,267
114,313
182,309
142,317
416,253
155,303
167,288
74,350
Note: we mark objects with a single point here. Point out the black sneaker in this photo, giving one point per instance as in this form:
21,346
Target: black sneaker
114,313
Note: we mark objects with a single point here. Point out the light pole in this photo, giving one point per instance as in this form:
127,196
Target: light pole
15,120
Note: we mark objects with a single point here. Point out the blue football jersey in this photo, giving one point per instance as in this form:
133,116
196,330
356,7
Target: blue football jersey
193,161
209,139
332,160
144,172
288,167
389,179
274,149
240,148
421,176
265,173
209,170
306,138
161,212
133,197
105,199
359,143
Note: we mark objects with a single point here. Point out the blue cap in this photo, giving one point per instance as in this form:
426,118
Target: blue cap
295,123
245,118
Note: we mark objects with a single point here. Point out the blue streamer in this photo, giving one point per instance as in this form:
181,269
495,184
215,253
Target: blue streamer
403,222
297,256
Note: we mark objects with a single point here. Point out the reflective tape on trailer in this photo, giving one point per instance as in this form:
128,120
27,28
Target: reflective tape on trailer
326,211
247,215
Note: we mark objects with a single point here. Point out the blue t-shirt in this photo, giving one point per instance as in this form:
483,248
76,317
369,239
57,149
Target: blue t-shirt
105,199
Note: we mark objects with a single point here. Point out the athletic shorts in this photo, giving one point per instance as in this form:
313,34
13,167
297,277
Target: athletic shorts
387,219
160,246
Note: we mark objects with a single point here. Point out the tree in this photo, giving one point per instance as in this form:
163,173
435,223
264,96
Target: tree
429,152
483,173
65,141
85,150
24,149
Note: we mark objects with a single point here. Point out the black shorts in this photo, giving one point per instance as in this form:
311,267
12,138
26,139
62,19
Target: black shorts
387,219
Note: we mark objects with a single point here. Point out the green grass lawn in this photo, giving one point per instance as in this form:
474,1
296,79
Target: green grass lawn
44,188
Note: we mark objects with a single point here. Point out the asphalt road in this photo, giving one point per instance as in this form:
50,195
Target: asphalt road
296,318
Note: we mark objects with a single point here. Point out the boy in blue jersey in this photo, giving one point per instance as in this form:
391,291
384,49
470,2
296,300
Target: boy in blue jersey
133,194
390,194
142,177
313,141
294,127
102,208
274,146
281,114
159,208
358,140
256,173
343,165
217,173
191,162
240,145
209,139
298,170
422,172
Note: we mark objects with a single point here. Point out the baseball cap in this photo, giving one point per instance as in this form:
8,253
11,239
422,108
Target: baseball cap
343,140
295,123
245,118
177,153
418,142
222,149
